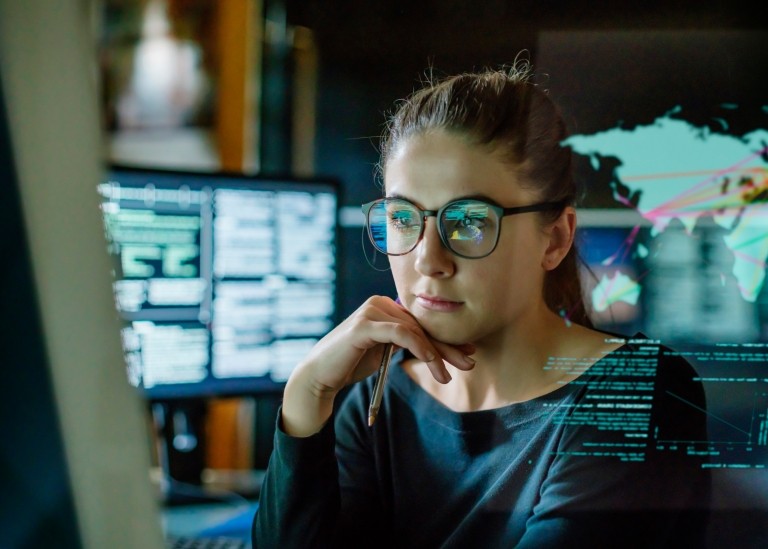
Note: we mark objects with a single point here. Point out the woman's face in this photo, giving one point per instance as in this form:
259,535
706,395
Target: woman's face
459,300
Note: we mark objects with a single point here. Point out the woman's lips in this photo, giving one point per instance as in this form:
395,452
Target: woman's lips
439,304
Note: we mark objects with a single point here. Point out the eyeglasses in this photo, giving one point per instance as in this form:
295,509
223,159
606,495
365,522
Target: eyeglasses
468,228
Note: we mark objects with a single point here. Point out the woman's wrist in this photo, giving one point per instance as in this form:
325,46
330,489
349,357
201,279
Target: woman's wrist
307,405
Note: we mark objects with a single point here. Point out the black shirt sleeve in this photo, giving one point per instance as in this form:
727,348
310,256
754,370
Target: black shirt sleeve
299,497
304,504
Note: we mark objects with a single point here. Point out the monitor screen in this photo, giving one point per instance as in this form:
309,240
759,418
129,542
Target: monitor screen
223,281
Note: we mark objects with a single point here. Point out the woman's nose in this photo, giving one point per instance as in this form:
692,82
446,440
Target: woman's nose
432,257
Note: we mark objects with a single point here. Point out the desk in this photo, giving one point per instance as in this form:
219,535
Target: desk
210,519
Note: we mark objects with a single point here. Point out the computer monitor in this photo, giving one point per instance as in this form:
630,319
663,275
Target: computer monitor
74,451
224,281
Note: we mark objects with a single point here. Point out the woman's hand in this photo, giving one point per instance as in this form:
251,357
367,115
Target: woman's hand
352,351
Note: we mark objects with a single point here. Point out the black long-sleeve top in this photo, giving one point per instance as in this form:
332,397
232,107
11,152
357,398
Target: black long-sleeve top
600,462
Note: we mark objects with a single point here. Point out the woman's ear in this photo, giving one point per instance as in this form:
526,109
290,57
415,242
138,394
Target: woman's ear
560,233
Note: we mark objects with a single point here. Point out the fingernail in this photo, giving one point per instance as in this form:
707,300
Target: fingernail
446,377
469,359
430,357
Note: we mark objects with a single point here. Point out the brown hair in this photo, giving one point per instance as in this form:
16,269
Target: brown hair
506,112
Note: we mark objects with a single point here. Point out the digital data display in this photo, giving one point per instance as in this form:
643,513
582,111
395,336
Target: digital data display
224,281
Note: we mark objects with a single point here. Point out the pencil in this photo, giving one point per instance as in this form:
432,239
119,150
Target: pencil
378,388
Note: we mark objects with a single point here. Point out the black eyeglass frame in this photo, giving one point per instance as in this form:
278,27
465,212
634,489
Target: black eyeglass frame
437,214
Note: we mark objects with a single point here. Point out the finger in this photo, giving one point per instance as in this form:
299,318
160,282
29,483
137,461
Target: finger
467,348
456,355
406,332
438,370
410,336
417,341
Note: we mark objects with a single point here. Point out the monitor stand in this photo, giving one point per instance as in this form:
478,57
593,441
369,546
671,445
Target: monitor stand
180,430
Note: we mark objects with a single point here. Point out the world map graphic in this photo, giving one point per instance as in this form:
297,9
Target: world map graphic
673,170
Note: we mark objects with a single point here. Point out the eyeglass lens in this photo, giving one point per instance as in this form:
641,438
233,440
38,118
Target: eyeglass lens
468,227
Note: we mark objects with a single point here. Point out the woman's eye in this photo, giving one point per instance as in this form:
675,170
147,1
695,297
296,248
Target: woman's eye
469,223
478,222
401,220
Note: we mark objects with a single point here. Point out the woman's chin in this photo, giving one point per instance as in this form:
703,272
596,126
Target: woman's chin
453,335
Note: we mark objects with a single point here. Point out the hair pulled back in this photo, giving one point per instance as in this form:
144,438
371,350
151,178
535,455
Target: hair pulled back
505,112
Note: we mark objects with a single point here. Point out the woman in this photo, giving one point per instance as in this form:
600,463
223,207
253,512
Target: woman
507,420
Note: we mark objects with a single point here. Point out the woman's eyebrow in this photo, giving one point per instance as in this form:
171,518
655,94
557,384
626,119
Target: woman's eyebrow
481,197
400,196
